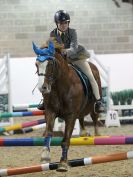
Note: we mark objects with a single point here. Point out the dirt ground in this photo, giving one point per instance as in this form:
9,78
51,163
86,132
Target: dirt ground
27,156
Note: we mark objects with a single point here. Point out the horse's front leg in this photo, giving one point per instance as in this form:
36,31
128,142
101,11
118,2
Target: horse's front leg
69,126
50,118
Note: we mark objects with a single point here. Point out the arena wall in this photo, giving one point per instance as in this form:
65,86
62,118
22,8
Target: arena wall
100,24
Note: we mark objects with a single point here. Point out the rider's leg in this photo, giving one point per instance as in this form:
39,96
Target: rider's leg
85,67
41,105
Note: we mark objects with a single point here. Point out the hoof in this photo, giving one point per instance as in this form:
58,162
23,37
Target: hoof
98,134
45,156
45,160
86,134
62,167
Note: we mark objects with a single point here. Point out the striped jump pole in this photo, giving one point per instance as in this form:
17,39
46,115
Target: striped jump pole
20,114
26,110
30,129
56,141
21,107
20,126
72,163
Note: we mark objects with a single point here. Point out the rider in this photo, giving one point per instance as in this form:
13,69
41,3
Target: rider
77,54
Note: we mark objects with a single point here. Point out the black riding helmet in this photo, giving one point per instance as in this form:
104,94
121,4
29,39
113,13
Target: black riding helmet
61,16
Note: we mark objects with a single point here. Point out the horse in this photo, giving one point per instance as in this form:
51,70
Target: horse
64,97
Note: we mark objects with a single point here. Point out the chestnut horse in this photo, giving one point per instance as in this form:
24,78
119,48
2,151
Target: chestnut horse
64,97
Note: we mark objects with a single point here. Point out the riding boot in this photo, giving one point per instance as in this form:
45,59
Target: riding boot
99,107
41,105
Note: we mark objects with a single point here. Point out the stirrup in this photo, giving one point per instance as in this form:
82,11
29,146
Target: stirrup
98,108
41,105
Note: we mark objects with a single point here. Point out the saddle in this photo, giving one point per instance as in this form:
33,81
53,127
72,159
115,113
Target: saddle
84,80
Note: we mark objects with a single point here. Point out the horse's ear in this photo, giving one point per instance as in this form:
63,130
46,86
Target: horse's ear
35,48
40,51
51,47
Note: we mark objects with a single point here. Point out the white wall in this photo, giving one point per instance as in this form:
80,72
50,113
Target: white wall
121,70
23,81
23,78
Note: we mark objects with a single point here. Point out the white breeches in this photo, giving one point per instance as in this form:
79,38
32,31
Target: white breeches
85,67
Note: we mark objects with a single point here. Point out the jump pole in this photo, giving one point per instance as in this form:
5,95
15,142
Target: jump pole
30,129
19,107
21,114
72,163
20,126
56,141
26,110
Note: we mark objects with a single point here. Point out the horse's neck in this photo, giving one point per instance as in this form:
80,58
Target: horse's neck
62,70
62,63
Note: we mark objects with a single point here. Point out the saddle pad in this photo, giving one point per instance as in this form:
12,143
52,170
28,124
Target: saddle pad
85,81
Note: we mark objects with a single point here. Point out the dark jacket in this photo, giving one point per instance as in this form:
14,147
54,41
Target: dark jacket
73,49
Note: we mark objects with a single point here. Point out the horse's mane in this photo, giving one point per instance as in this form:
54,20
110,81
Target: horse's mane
58,50
61,60
58,47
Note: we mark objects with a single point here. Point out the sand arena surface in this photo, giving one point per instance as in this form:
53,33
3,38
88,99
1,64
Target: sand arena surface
27,156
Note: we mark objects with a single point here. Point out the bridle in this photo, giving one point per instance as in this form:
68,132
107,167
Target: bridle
49,77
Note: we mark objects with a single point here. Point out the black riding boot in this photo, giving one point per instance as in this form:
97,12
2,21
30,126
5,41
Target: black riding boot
41,105
99,107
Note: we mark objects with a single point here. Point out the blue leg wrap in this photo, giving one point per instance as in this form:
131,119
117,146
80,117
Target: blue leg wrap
64,153
47,142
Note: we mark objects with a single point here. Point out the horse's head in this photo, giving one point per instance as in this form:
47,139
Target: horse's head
45,65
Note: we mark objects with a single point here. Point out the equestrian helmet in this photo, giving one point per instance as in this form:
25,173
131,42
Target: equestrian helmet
61,16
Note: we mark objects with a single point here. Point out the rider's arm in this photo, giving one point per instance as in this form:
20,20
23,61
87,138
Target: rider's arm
73,43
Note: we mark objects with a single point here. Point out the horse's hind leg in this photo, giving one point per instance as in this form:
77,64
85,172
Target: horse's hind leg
95,117
83,129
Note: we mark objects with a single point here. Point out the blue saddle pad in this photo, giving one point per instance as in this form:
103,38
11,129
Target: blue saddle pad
85,82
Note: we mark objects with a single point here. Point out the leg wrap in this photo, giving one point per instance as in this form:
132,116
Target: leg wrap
64,152
47,142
